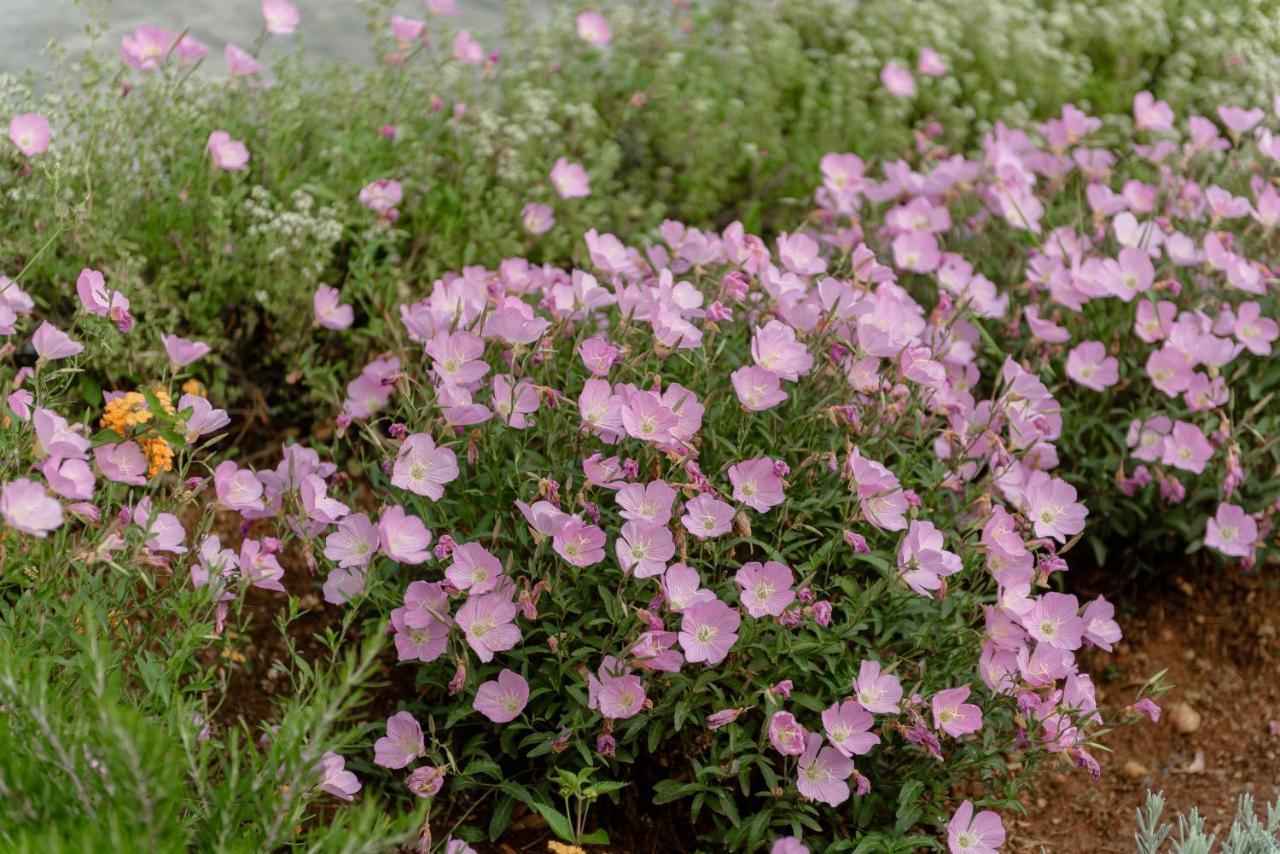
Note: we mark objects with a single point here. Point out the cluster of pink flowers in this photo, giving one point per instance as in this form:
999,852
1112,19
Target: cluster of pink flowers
884,354
67,462
607,390
1170,255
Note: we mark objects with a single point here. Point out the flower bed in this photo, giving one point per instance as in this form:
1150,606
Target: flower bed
785,517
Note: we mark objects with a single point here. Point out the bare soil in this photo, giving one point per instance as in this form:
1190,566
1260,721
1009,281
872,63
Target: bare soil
1215,632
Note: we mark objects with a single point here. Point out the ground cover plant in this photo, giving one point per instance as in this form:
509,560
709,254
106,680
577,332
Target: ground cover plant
766,518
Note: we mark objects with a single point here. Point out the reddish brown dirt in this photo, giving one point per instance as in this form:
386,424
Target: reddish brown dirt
1215,631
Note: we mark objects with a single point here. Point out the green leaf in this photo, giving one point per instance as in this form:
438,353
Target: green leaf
556,820
500,820
90,391
908,805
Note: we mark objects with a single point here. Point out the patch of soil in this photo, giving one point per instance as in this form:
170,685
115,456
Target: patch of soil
1215,632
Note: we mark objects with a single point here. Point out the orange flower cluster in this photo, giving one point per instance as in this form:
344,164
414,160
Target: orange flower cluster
128,413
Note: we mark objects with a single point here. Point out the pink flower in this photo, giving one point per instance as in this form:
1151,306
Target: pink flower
683,588
885,509
594,29
402,744
922,559
600,410
56,438
425,642
646,417
381,196
644,548
238,489
514,400
330,312
354,543
648,502
240,63
20,403
425,604
281,16
488,621
190,50
1054,620
334,777
316,503
474,569
970,834
96,299
916,251
407,29
930,64
258,564
343,585
722,718
1239,120
146,48
1154,320
1090,366
1150,114
786,734
706,517
766,588
403,537
775,348
543,516
425,781
1231,531
422,468
653,651
756,484
467,49
183,352
1187,448
72,479
26,507
51,343
1147,706
30,132
757,389
897,80
876,691
457,358
537,218
122,462
502,700
579,543
622,696
1169,370
1255,332
823,773
443,8
953,715
708,631
165,532
799,254
848,727
570,179
1100,627
1052,507
228,154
